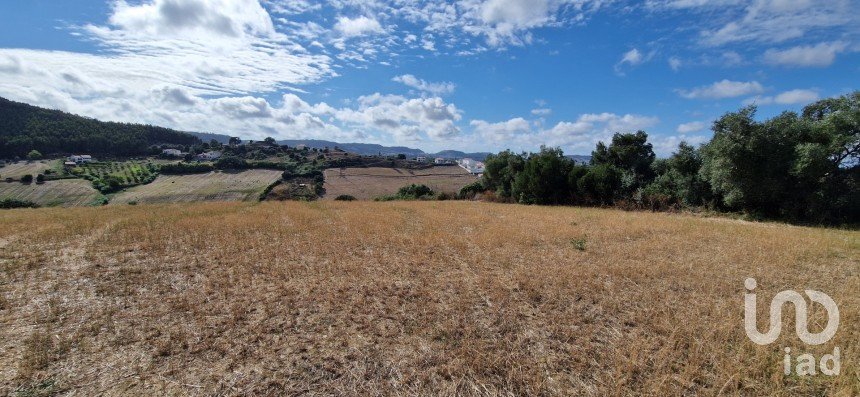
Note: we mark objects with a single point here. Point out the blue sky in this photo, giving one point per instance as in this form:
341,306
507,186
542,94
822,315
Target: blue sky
461,74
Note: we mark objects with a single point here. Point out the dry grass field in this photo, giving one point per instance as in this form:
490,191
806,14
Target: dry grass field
65,193
21,168
370,183
408,298
213,186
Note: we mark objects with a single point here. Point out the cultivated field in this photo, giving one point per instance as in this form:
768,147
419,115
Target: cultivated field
21,168
65,193
408,298
213,186
370,183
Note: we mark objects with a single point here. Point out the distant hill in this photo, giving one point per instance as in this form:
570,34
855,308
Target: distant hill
579,159
25,127
368,149
207,137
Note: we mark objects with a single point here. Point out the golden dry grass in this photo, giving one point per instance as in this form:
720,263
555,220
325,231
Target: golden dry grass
372,182
213,186
407,298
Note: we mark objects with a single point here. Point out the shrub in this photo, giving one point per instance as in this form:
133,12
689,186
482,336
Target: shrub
231,163
27,178
34,155
345,197
578,243
13,203
186,168
414,192
471,190
40,178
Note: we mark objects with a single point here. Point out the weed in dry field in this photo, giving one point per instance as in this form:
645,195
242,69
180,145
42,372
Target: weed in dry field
416,298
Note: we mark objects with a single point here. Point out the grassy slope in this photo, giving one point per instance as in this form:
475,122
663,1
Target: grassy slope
21,168
370,183
62,193
214,186
420,298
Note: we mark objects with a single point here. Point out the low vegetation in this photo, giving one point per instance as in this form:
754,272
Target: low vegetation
110,177
420,298
8,203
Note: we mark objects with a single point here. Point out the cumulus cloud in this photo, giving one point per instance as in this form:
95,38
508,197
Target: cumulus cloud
693,126
358,26
723,89
200,65
578,136
501,132
425,86
819,55
793,97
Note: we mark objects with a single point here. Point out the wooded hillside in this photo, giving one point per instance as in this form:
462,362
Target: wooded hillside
24,128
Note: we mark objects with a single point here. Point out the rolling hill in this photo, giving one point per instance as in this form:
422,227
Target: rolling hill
25,127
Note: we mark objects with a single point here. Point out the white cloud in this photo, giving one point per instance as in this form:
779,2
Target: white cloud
502,132
775,21
425,86
404,118
358,26
632,58
541,112
793,97
579,136
819,55
675,63
694,126
723,89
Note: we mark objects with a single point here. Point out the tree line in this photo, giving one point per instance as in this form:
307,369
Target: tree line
796,167
25,128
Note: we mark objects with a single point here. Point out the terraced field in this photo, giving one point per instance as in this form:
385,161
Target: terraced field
21,168
213,186
370,183
62,193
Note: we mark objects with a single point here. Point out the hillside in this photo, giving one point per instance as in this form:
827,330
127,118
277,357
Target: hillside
24,127
408,298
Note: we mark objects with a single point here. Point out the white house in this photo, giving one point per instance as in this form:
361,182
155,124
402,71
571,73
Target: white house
209,156
81,159
172,152
301,147
421,159
473,166
440,160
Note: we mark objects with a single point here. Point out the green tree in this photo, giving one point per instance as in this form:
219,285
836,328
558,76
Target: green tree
600,184
632,155
544,178
500,170
34,155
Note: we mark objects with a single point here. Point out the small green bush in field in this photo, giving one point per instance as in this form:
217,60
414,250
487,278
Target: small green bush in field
344,197
578,243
